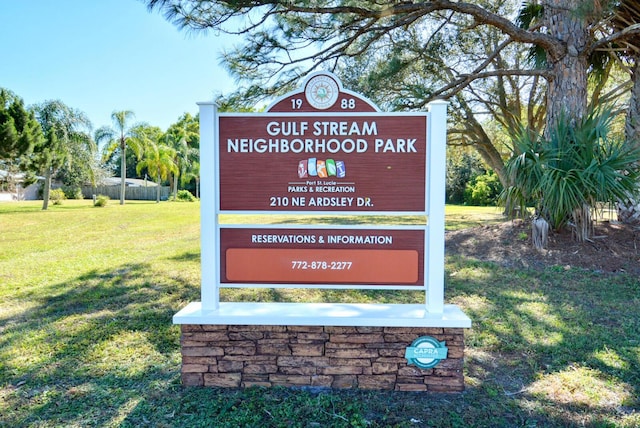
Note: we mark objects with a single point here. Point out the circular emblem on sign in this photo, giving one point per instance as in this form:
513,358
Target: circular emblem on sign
426,352
321,92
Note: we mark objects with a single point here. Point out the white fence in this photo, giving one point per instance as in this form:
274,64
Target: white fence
131,193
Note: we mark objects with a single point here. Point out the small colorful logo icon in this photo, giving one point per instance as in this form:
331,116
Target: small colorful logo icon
426,352
331,167
313,167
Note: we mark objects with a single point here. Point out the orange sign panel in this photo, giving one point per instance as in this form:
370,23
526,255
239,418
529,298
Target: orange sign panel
322,265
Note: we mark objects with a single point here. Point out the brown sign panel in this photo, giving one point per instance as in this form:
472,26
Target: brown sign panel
351,162
322,256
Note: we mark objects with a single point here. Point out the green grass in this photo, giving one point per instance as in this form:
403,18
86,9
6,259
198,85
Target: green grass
463,217
87,295
457,216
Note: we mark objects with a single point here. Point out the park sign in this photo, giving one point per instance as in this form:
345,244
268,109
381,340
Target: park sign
322,190
324,150
319,162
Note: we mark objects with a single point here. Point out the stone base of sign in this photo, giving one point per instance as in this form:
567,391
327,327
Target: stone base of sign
316,356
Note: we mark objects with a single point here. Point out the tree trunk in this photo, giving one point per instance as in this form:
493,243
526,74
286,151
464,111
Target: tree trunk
492,157
629,209
632,125
567,91
483,144
47,189
582,225
158,191
123,171
175,186
539,233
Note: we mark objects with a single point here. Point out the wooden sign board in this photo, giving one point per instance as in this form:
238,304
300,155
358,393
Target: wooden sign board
323,150
305,162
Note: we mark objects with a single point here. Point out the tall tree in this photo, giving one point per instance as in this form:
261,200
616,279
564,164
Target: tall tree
291,38
278,40
626,15
183,136
20,132
67,132
288,38
123,134
158,159
19,129
409,69
616,41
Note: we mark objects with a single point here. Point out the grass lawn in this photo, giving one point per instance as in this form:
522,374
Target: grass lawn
86,339
462,217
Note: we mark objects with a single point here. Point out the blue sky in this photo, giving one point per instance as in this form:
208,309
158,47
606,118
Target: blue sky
98,56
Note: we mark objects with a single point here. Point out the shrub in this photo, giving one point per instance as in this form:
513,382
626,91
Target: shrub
483,190
185,196
572,170
101,201
72,192
57,196
462,168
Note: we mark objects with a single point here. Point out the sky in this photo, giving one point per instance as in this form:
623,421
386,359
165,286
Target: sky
100,56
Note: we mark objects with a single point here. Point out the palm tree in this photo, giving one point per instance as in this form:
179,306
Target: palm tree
67,133
158,159
184,158
620,18
118,138
183,137
572,169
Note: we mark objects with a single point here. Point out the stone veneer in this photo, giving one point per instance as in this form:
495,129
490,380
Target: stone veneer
317,356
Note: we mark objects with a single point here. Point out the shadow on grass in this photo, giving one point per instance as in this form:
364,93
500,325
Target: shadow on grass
565,340
89,347
551,348
188,256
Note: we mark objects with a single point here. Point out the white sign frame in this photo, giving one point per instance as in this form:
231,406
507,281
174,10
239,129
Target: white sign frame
434,210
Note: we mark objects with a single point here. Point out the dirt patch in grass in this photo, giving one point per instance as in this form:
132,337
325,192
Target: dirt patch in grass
614,247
